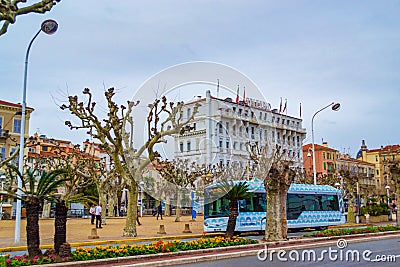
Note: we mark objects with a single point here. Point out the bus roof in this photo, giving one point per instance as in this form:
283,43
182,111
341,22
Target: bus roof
256,185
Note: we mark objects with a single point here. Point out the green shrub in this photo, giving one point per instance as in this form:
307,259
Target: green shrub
375,209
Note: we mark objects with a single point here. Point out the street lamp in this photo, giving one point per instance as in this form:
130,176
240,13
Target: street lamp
388,201
49,27
335,107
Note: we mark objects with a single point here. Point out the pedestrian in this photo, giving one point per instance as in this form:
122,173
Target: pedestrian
115,210
159,211
98,216
92,212
154,210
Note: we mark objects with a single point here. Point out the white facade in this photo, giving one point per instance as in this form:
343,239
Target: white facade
223,127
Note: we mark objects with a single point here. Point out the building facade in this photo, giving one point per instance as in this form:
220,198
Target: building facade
10,127
222,129
381,158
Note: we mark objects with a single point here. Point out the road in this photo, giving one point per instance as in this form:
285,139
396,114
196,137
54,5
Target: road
389,248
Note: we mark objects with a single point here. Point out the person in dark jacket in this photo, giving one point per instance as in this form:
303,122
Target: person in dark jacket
159,211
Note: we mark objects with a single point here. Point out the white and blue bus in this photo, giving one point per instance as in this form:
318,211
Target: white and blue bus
308,206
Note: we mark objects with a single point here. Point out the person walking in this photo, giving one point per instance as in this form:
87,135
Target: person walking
159,211
92,212
115,210
98,216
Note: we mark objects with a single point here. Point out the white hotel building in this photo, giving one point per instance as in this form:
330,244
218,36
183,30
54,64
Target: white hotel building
222,128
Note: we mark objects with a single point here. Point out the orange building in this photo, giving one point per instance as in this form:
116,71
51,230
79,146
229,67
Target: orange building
325,159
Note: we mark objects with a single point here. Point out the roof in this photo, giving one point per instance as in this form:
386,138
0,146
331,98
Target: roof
385,149
5,103
318,147
258,186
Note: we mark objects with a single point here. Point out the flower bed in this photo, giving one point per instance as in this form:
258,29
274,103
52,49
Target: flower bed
352,231
103,252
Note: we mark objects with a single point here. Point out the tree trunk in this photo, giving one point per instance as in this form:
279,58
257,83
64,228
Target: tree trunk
273,229
167,209
32,226
130,226
283,200
178,206
233,213
350,210
60,225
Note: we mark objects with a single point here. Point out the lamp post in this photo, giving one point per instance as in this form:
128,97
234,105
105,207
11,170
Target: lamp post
49,27
335,107
388,201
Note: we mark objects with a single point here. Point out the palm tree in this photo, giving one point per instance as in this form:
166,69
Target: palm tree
37,187
234,192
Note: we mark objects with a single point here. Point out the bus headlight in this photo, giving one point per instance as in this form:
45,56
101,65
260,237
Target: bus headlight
206,224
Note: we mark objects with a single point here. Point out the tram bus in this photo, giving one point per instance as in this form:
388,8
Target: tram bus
308,206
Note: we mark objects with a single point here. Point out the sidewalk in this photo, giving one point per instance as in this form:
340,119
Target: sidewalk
78,230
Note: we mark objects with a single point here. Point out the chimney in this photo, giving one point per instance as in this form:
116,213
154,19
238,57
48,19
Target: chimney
325,144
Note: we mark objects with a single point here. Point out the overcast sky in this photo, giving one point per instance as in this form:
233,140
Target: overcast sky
309,52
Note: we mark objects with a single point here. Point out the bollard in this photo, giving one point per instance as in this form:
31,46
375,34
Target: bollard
187,229
93,234
162,229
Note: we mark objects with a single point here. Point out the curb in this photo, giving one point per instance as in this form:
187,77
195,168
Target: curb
201,255
115,241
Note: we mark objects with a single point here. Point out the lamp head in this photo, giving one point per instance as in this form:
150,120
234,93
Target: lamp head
336,107
49,26
387,187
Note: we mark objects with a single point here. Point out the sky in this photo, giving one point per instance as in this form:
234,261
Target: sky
305,51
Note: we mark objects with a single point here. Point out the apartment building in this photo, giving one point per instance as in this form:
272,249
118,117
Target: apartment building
10,127
223,127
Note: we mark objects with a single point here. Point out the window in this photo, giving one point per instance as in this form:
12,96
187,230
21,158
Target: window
324,165
45,148
376,158
323,155
377,172
3,153
17,126
254,204
227,144
217,208
181,147
16,159
220,144
188,146
1,126
194,126
189,112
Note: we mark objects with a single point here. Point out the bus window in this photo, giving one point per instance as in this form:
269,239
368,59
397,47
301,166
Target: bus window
246,205
217,208
330,202
260,203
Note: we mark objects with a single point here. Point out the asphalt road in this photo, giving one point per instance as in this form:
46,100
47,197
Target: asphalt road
371,253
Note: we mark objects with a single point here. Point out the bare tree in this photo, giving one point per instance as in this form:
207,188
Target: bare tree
275,168
181,176
164,119
10,10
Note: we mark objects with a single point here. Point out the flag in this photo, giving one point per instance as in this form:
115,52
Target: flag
244,95
300,110
280,106
237,95
284,107
218,89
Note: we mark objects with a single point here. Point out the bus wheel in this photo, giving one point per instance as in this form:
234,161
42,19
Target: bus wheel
321,228
261,232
